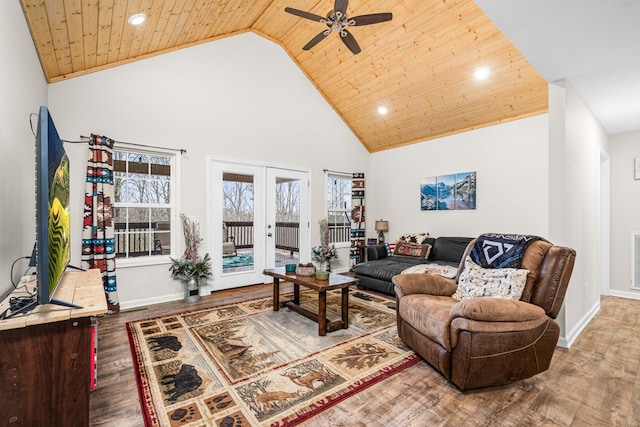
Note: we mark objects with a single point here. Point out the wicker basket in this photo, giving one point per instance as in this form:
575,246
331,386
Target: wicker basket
305,271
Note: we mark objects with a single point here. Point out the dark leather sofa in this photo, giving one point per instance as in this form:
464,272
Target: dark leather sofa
378,269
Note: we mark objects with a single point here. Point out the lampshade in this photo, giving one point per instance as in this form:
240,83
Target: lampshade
382,225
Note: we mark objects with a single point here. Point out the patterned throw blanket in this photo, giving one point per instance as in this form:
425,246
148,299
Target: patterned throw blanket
441,270
493,250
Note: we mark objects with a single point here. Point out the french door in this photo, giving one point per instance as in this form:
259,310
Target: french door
260,217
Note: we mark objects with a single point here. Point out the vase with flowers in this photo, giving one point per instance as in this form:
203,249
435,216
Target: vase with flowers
190,267
324,253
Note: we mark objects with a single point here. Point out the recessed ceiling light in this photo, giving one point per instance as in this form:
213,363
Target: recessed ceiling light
482,73
382,110
137,19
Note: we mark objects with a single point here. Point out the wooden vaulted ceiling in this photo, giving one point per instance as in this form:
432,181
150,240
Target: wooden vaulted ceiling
419,65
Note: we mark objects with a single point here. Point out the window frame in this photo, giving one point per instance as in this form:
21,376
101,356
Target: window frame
328,176
174,182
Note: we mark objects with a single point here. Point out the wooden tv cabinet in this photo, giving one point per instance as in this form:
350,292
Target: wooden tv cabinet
45,356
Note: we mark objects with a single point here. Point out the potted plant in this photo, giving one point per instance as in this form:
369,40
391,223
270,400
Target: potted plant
190,268
324,253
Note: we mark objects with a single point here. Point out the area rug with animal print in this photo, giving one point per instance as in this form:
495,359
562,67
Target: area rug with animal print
247,365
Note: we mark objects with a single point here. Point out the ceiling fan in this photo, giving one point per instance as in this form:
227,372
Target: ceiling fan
337,20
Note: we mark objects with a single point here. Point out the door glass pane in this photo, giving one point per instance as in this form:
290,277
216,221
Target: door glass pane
287,221
237,222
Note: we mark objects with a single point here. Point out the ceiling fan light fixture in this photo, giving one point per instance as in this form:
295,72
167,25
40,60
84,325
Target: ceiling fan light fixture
137,19
482,73
337,20
382,110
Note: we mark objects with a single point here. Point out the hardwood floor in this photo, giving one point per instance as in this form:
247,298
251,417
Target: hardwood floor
595,383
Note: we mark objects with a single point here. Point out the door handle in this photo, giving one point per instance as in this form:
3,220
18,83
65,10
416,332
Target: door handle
269,235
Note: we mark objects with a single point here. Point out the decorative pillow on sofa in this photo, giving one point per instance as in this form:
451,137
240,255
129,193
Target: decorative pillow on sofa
412,249
390,248
477,282
418,238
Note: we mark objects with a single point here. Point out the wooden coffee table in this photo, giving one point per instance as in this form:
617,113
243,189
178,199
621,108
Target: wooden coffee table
336,281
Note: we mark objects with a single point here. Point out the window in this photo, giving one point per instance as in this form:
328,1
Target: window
339,207
144,202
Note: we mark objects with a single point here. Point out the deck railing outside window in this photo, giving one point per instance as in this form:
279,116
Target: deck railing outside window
147,239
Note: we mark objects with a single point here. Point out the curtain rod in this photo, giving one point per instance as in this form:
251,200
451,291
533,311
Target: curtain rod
85,139
344,173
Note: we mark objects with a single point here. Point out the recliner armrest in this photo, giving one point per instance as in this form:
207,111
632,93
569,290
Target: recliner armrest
495,316
496,310
431,284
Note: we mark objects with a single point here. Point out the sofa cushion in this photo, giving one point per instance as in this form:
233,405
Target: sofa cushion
412,249
449,249
375,252
429,315
386,268
476,282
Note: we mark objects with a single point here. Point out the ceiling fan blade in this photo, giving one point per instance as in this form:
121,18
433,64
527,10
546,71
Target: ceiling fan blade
306,15
340,6
349,41
373,18
317,39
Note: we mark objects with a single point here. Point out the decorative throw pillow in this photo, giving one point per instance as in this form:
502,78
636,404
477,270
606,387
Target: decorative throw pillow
477,282
412,249
391,248
387,246
418,238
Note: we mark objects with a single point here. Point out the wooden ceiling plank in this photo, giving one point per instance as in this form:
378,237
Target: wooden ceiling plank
38,23
105,25
172,24
283,26
128,31
182,24
195,17
239,14
154,13
211,27
208,20
90,32
116,30
142,34
73,16
162,24
58,27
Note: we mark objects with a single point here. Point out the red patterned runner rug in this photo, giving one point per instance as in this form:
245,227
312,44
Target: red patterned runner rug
246,365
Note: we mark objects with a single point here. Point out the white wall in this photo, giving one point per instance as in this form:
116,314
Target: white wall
539,175
23,90
512,180
576,143
625,205
236,98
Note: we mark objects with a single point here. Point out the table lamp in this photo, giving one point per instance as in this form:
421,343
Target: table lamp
381,227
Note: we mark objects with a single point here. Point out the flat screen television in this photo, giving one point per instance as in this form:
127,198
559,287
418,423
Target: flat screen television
53,226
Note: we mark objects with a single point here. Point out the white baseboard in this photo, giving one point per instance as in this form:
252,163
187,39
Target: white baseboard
150,301
569,339
623,294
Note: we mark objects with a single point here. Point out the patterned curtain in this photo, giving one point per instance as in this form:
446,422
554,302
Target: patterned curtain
98,238
357,220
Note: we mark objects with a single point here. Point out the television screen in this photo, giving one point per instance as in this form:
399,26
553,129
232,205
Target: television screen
58,226
53,226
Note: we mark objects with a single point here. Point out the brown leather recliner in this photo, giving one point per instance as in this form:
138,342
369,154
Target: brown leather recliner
485,342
